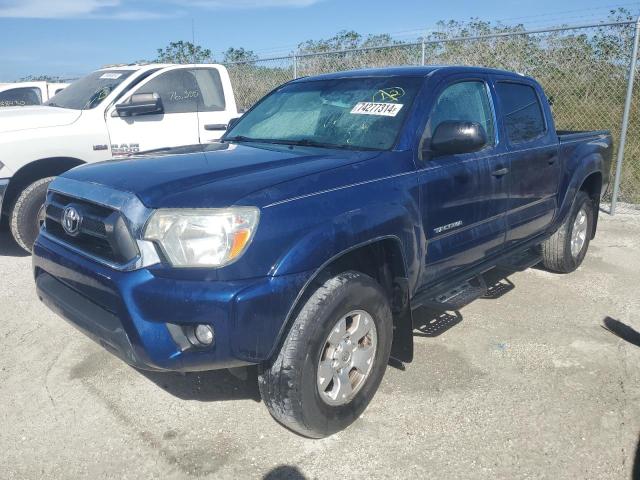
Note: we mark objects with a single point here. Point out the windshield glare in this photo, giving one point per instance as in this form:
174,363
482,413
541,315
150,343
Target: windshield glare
365,113
89,91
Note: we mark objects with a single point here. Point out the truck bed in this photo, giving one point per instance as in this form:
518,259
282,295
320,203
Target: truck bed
571,135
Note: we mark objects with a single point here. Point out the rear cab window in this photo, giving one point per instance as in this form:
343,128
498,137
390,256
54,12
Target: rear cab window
521,111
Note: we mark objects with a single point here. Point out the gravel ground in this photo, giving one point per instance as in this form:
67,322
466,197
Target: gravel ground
527,385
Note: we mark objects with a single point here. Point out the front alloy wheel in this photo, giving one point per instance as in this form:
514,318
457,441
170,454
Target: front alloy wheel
347,358
333,358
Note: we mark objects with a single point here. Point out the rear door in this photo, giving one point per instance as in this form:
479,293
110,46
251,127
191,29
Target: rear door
216,104
534,171
463,202
176,126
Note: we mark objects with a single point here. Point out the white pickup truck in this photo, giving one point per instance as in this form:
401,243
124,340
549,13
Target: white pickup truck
21,94
110,113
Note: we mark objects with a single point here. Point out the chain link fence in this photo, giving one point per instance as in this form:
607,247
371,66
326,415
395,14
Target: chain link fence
584,70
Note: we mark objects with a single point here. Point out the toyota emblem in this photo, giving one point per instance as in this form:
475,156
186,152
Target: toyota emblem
71,220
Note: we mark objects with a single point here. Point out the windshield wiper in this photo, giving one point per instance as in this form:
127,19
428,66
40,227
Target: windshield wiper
306,142
242,138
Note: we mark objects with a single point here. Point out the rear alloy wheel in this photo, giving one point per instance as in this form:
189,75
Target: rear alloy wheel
565,250
579,232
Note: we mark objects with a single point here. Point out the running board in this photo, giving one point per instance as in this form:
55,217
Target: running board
457,297
521,261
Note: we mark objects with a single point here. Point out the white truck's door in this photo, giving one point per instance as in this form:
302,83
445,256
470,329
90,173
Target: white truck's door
216,102
176,126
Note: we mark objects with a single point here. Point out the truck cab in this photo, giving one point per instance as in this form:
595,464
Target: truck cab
304,241
111,113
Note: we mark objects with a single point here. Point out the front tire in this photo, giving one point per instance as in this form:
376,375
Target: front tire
333,359
565,250
27,213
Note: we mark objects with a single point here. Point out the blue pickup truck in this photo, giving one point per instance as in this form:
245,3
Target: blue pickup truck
306,239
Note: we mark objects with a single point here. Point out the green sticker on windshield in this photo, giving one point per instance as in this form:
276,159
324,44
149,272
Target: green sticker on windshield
391,94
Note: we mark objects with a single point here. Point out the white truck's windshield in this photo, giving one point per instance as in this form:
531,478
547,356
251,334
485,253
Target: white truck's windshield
89,91
358,113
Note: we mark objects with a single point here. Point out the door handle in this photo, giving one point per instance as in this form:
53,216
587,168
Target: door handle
500,172
551,158
215,126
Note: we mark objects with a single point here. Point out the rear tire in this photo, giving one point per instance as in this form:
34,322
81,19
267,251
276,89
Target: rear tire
294,386
27,213
565,250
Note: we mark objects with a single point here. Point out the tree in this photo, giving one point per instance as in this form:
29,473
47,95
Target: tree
183,52
345,40
234,55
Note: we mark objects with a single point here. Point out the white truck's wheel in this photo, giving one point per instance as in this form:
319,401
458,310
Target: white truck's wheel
27,213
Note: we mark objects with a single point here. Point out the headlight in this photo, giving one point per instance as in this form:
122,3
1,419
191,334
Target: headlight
202,237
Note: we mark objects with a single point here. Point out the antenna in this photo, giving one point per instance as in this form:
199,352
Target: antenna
193,40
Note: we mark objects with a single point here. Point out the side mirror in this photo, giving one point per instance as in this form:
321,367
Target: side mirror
232,122
140,104
454,136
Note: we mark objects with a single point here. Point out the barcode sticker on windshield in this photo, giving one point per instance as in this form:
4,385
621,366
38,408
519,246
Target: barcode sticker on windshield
111,76
377,108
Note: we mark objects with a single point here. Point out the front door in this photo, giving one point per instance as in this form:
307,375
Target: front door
463,200
533,151
176,126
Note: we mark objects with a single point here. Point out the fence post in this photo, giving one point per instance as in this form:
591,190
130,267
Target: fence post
423,51
295,66
625,118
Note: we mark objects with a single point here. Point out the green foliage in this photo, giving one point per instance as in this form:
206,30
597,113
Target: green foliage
239,55
345,40
183,52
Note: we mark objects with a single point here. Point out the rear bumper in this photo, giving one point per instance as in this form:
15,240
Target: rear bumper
4,183
135,315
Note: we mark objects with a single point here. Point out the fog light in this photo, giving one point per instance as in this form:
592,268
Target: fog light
204,335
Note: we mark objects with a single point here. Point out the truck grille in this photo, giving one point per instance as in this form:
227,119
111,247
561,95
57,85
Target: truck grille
101,231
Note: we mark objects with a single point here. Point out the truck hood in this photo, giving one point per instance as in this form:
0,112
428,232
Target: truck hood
13,119
213,176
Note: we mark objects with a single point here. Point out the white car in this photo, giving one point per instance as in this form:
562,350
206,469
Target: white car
110,113
21,94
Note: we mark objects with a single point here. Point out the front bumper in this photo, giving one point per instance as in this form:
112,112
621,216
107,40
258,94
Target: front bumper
4,183
133,314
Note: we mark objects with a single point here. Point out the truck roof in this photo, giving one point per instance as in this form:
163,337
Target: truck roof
411,71
150,66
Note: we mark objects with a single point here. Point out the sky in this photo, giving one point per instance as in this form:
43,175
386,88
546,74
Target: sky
69,38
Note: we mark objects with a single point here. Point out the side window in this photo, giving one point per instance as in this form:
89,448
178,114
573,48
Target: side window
211,97
464,101
523,118
178,90
185,91
17,97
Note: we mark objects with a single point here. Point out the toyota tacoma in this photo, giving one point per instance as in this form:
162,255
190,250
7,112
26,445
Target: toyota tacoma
304,241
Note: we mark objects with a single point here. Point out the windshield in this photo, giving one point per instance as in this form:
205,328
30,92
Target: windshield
89,91
358,113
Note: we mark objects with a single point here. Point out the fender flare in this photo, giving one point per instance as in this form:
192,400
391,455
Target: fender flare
588,165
